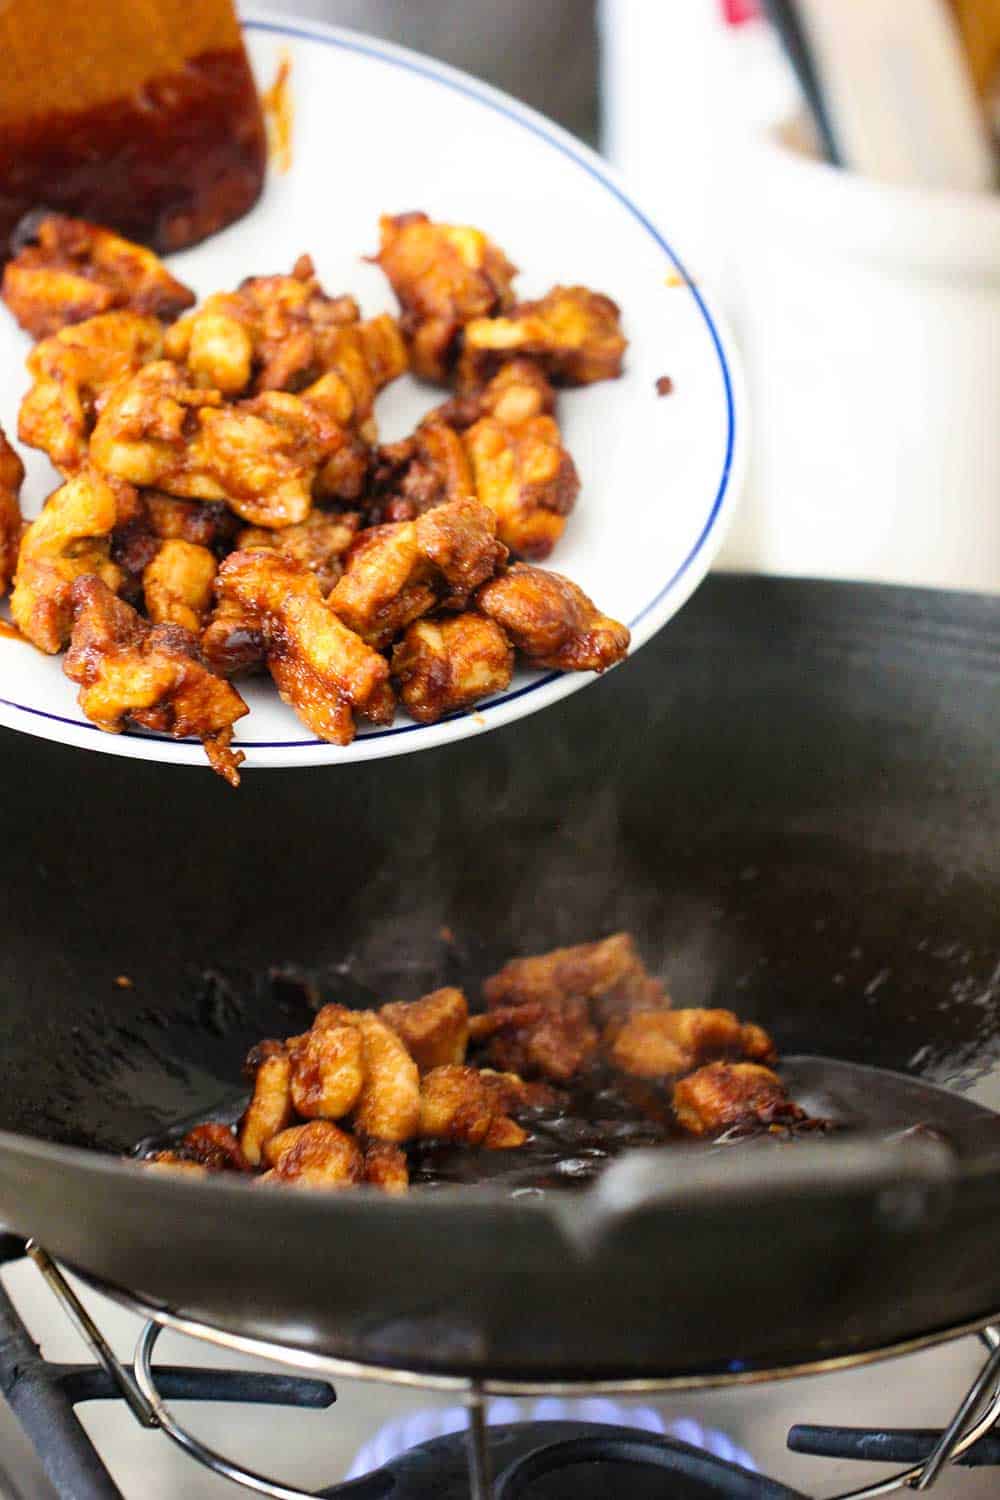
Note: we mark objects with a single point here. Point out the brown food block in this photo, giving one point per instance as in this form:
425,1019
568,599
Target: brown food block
442,666
11,479
723,1095
386,1168
138,114
317,1155
435,1028
609,974
552,621
270,1108
656,1043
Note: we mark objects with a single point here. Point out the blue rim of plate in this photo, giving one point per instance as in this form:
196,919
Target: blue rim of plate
522,115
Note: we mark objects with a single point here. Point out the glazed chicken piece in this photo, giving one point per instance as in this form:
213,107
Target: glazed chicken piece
455,1105
233,640
177,585
556,1046
214,1146
327,1066
435,1028
321,668
67,270
444,275
268,332
318,543
388,1108
725,1095
71,538
260,456
270,1108
398,572
575,335
358,361
442,666
526,477
518,391
610,975
658,1043
427,469
345,476
385,1167
210,524
72,372
316,1155
551,621
152,676
11,479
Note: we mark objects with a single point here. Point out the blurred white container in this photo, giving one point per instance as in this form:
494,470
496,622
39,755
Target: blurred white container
869,318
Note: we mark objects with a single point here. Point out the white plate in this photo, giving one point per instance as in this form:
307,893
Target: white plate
381,130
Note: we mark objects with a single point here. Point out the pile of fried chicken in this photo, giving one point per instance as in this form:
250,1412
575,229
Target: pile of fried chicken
336,1105
227,507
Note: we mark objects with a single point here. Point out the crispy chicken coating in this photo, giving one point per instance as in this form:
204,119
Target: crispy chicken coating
344,476
518,391
71,538
445,665
552,621
725,1095
443,275
177,584
434,1028
11,479
270,1108
574,333
398,572
554,1041
318,543
322,669
210,524
526,477
72,372
214,1146
429,468
609,974
152,676
67,270
316,1155
233,640
389,1106
656,1043
270,332
260,456
358,360
456,1105
327,1066
385,1167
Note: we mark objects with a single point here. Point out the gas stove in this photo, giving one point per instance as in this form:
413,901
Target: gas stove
86,1428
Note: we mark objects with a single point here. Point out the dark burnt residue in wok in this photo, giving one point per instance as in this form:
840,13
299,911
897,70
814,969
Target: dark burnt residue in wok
577,1056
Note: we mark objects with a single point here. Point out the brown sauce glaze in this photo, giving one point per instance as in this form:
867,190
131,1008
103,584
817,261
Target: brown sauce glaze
167,164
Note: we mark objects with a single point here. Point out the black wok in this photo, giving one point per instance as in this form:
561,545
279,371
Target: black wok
790,797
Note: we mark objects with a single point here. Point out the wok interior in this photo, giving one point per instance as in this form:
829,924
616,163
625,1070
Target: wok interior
787,798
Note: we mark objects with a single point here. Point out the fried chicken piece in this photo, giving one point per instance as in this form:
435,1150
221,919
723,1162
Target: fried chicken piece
510,1093
398,572
456,1105
68,270
177,585
345,474
435,1028
575,335
657,1043
443,275
71,538
488,1023
609,974
260,456
386,1168
327,1066
442,666
214,1146
389,1106
205,524
526,477
552,621
270,1108
72,373
233,640
152,676
428,468
11,479
556,1047
172,1161
318,543
724,1094
517,392
322,669
267,332
358,361
316,1155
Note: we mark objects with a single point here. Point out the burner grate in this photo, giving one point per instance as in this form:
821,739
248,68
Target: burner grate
540,1460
